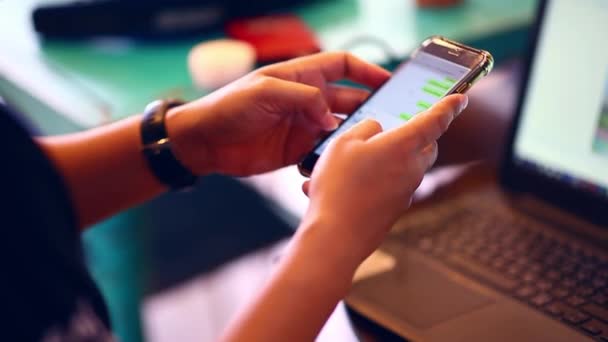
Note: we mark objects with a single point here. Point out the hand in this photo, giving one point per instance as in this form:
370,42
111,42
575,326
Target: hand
365,180
271,117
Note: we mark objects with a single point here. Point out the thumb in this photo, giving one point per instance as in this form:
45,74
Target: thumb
363,130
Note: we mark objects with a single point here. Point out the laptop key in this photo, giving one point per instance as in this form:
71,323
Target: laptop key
575,301
541,299
525,292
594,327
553,275
596,311
529,277
584,291
482,272
499,263
599,283
568,268
569,282
560,292
555,309
568,313
535,267
544,285
514,271
575,317
583,275
600,299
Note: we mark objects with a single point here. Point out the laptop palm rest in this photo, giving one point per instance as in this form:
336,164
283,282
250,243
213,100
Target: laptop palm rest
418,294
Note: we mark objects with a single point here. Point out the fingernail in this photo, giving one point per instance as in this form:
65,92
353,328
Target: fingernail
463,104
329,122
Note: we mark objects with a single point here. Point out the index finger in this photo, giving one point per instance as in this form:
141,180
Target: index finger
426,127
338,65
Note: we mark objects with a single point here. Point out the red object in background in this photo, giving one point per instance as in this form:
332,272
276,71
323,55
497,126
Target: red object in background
275,37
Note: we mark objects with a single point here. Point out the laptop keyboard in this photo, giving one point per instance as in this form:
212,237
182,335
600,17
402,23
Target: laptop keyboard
558,277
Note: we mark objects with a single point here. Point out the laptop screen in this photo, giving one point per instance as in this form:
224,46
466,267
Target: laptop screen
563,130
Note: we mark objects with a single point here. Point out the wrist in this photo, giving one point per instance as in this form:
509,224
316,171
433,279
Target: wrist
321,246
187,141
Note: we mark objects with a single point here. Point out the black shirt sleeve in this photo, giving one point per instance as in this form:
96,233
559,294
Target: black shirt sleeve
46,291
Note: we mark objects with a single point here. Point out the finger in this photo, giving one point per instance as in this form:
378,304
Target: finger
427,126
306,187
363,130
301,98
343,99
335,66
428,155
342,65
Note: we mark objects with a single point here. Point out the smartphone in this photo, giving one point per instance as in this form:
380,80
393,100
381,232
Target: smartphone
439,67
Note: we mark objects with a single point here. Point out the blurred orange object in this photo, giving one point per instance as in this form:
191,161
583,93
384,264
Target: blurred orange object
438,3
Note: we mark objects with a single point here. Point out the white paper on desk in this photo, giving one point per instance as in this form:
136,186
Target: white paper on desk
30,73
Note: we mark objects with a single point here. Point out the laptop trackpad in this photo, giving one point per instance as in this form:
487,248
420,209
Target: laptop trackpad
416,293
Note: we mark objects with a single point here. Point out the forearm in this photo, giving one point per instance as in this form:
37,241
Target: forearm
298,299
103,168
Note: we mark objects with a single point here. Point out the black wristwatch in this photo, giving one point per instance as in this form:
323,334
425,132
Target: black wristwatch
156,147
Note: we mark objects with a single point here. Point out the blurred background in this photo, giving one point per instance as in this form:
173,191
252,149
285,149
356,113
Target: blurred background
76,65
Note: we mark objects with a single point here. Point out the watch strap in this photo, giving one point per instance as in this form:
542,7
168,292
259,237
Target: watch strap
156,147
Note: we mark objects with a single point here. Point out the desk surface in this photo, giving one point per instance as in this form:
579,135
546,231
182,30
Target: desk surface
93,83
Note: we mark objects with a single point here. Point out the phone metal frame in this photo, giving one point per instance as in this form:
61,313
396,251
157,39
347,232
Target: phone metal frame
480,62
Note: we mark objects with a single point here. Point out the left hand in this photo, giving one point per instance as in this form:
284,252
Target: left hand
271,117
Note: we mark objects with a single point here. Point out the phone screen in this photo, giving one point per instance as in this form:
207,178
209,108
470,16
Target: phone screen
416,86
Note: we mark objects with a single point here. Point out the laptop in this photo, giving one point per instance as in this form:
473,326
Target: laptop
526,258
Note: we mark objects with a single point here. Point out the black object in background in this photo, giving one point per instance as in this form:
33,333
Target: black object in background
153,19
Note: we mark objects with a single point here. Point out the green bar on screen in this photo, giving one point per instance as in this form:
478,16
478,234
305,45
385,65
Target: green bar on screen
449,80
443,85
405,116
423,104
432,91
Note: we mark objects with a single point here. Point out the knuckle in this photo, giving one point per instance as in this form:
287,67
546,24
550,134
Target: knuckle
315,100
413,182
315,94
341,139
373,125
422,164
266,81
264,89
262,72
434,148
442,122
337,54
429,162
428,135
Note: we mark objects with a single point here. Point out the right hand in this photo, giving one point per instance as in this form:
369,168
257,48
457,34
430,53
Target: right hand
271,117
366,179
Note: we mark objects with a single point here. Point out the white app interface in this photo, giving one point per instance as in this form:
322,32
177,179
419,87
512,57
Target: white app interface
414,88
